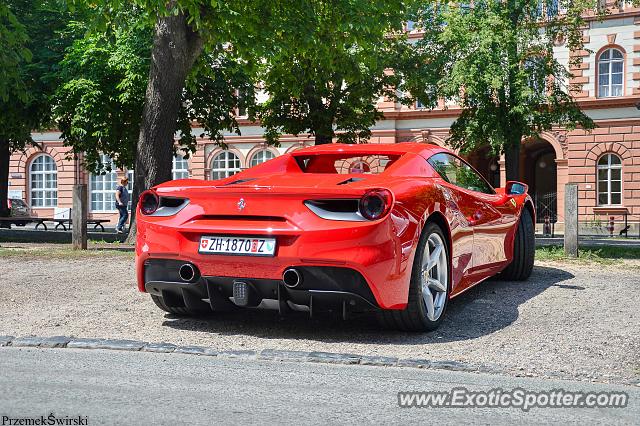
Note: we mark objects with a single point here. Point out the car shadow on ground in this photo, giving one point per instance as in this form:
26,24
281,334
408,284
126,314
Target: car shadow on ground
482,310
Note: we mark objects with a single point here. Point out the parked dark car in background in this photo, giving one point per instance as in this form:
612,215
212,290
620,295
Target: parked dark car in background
19,208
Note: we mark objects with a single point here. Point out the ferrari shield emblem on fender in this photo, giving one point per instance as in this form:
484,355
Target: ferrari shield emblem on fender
514,202
241,204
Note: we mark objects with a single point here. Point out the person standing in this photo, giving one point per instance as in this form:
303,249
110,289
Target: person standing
122,203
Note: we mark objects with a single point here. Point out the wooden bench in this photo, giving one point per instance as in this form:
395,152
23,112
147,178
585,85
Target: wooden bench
60,223
65,223
39,221
97,223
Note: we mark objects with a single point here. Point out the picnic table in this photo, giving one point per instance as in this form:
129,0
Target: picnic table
60,223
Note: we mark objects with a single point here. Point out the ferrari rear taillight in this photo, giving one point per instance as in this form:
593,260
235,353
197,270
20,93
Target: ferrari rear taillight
149,202
375,204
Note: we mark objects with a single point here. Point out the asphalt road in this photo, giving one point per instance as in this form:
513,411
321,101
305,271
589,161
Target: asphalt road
116,387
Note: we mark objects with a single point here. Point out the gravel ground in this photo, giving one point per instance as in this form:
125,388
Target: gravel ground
577,321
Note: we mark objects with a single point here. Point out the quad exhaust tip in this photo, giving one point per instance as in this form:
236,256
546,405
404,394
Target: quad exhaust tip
292,278
187,272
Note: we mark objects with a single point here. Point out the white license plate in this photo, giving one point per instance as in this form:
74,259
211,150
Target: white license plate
246,246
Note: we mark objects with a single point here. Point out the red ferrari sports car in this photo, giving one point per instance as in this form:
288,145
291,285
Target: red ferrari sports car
398,229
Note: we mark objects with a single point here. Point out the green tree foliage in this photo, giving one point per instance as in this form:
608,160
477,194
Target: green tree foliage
13,52
30,49
184,31
218,86
327,79
495,60
99,107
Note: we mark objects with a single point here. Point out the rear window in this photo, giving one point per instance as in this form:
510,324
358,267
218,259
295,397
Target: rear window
342,164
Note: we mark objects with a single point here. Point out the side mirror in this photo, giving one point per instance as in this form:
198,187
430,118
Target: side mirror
515,188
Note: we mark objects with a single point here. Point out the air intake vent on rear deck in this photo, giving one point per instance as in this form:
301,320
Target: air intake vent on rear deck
236,182
350,180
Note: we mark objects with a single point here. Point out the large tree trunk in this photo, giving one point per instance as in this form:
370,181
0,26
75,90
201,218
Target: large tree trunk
512,161
175,48
321,117
513,128
323,139
5,155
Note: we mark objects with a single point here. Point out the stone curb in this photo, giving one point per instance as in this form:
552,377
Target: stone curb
331,358
43,342
265,354
159,347
190,350
5,340
280,355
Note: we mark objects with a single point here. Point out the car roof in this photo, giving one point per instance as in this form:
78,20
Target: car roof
424,149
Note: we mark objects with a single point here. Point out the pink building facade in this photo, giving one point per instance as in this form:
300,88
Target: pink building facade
605,163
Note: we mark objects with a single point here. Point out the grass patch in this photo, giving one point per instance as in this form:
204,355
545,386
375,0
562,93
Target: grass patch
106,243
61,253
605,255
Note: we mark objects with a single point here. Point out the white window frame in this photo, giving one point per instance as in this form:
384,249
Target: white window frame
179,167
227,170
106,193
44,191
241,112
608,167
259,157
552,8
131,175
610,61
538,87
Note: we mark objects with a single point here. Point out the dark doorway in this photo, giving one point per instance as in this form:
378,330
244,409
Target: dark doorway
538,170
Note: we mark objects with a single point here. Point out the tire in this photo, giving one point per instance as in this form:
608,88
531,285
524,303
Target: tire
182,311
416,316
524,247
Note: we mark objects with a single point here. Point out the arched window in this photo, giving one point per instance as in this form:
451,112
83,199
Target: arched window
536,68
43,181
180,169
224,165
360,167
609,180
261,156
102,187
610,73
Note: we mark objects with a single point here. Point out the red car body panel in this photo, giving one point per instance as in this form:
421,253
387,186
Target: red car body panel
481,227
